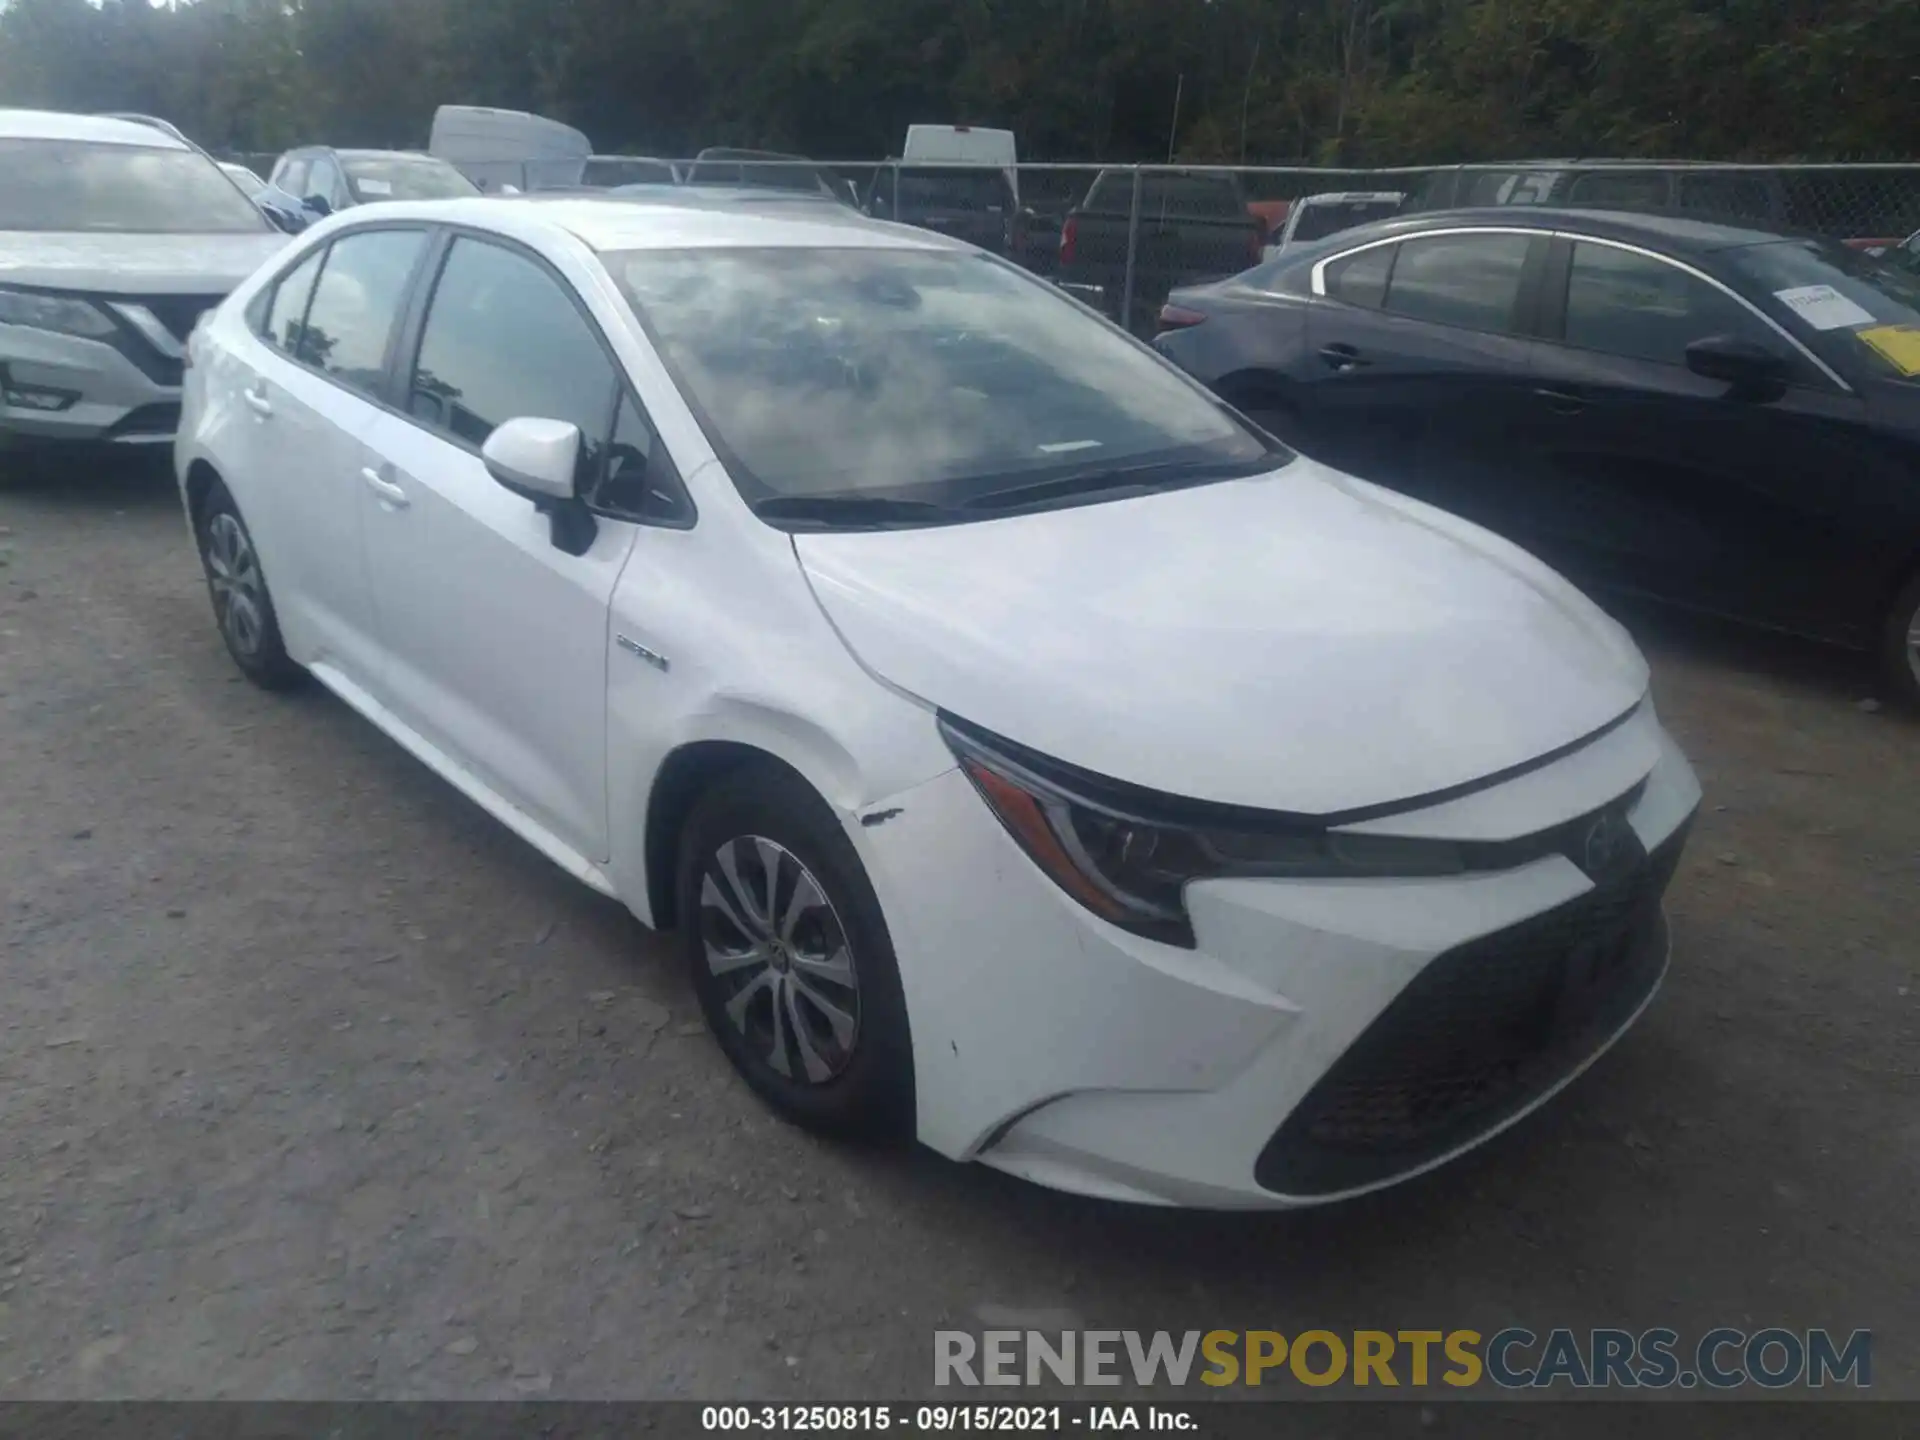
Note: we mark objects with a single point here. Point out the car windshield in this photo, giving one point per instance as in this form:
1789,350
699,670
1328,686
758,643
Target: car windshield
405,177
1857,306
916,375
1319,221
65,185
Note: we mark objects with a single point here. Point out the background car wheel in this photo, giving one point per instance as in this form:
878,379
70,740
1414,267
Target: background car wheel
791,959
1900,647
242,606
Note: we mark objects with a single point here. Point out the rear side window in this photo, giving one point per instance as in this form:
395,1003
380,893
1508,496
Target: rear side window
288,312
1362,279
1472,281
291,176
350,322
504,341
1637,306
1643,189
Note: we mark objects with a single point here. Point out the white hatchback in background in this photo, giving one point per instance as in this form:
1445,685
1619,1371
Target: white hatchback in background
1033,758
1314,217
115,237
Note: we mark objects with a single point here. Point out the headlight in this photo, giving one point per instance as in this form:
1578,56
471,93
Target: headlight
54,312
1128,857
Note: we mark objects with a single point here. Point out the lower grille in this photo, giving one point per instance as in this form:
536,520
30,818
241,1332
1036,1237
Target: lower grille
1477,1035
147,422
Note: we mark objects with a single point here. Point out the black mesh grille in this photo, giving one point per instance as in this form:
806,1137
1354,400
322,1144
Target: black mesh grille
1476,1035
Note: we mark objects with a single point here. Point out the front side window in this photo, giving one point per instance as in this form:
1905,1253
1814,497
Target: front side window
356,304
288,312
927,376
76,187
503,341
1642,308
1472,281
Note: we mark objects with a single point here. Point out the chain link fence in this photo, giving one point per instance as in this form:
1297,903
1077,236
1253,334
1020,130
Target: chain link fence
1122,236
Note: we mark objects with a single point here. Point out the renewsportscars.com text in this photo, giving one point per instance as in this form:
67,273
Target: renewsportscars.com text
1511,1359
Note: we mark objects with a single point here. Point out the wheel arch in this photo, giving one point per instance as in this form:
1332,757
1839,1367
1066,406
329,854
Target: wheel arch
688,772
200,482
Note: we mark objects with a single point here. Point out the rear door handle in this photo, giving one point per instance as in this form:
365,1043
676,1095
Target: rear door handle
1343,357
256,401
1561,402
391,494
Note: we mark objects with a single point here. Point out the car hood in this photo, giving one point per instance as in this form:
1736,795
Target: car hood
1300,641
134,264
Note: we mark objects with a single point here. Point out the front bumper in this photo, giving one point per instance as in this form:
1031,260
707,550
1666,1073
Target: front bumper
1324,1037
56,387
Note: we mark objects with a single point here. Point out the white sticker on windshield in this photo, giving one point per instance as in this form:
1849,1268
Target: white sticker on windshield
1061,447
1823,307
376,187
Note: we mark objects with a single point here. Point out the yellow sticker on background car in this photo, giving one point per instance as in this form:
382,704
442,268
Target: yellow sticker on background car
1898,345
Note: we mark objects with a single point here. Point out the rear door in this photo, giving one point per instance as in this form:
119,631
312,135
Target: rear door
496,640
1418,365
318,372
1665,481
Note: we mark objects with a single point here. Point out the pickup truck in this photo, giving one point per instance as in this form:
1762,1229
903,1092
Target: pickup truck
1194,226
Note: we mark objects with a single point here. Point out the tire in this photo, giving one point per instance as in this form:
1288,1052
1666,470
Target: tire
242,604
841,1059
1900,647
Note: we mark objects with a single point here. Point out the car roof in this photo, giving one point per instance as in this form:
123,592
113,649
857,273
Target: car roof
674,221
1682,233
87,129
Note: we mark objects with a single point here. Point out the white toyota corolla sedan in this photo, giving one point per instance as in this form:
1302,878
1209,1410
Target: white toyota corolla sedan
1033,757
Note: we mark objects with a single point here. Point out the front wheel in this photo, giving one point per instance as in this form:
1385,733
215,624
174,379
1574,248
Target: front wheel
791,959
1900,647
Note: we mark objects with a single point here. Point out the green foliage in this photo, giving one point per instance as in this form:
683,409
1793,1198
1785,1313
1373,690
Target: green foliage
1330,81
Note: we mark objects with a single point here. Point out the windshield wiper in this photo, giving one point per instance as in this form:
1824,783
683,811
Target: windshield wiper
851,510
1155,475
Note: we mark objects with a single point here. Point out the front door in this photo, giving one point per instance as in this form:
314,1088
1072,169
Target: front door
497,640
1664,481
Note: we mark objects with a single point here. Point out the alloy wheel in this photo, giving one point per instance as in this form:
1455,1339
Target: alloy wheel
771,938
233,573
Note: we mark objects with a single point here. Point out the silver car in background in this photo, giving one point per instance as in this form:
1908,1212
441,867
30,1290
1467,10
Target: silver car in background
115,237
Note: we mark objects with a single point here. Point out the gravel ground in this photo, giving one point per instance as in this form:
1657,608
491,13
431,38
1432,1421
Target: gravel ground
314,1082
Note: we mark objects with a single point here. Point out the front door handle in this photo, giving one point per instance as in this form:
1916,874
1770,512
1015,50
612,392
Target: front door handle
390,494
1343,357
1561,402
256,401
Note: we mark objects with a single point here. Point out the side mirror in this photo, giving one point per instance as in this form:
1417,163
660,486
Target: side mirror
1741,363
319,205
536,460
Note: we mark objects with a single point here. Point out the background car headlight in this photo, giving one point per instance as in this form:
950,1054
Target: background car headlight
1106,846
59,313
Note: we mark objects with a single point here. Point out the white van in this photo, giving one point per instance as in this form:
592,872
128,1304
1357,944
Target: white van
498,148
962,145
